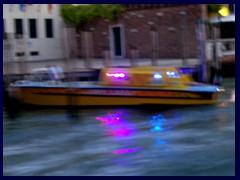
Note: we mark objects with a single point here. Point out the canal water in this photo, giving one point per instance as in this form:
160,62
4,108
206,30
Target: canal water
181,141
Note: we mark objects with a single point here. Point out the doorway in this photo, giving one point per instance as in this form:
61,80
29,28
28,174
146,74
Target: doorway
116,40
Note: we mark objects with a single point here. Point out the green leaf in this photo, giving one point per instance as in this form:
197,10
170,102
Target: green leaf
83,14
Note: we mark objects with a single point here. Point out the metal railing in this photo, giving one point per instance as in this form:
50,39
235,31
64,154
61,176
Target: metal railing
225,47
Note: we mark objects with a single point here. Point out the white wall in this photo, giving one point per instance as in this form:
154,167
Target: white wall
48,48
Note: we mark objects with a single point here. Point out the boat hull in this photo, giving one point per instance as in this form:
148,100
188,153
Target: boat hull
110,97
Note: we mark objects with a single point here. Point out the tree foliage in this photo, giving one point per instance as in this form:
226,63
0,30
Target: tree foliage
82,14
213,9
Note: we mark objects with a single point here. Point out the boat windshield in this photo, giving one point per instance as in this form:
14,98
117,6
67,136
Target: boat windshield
38,76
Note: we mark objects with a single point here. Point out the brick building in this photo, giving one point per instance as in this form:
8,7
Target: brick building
153,30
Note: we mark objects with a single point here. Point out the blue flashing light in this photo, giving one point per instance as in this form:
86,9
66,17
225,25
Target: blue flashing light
157,76
172,74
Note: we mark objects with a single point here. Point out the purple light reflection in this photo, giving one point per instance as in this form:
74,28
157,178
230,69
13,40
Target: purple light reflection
125,151
117,126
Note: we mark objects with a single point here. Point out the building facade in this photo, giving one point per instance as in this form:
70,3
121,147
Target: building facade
32,32
35,32
153,30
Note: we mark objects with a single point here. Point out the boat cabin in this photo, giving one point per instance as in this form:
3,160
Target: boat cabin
144,77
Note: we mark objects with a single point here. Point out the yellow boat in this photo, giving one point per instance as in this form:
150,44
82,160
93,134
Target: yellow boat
120,86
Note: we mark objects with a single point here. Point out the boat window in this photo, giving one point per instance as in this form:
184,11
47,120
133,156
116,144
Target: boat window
41,76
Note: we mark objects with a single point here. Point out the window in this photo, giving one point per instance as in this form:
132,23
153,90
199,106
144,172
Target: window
19,54
34,53
117,40
49,28
19,27
32,28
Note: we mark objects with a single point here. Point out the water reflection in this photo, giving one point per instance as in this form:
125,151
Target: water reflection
117,140
157,123
166,121
13,109
162,124
118,126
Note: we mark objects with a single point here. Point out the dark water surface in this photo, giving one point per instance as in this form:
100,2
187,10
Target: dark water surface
190,141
